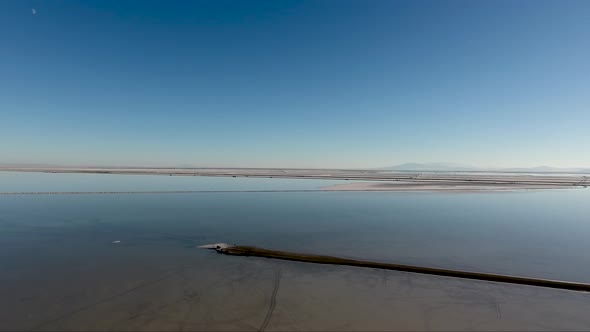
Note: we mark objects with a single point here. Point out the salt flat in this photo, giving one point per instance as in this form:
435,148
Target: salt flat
393,181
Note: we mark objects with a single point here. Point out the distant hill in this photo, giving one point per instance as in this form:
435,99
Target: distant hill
545,169
450,167
416,167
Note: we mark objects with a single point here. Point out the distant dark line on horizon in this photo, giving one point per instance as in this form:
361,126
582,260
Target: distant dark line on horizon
160,192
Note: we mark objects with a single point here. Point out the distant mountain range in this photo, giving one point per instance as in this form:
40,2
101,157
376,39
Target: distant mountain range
419,167
450,167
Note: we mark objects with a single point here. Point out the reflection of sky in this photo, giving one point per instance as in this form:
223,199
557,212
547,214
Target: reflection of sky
58,256
24,181
542,233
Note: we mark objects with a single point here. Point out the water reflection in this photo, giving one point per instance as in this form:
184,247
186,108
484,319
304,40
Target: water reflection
61,269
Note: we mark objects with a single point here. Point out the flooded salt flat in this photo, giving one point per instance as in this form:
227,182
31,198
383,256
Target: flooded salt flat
47,182
61,269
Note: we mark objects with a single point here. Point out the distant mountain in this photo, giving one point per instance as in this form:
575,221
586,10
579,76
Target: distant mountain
416,167
450,167
544,169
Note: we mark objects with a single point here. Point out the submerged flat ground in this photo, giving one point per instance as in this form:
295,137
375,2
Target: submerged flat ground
237,294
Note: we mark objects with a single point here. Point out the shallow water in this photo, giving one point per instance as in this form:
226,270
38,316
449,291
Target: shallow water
64,182
61,269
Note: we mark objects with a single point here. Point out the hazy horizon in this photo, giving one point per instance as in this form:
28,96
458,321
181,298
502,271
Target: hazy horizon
402,166
301,84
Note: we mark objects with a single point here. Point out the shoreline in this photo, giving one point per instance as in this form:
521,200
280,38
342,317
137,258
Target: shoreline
373,180
439,187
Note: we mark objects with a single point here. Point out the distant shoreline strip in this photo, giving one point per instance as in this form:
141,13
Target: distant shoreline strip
420,190
159,192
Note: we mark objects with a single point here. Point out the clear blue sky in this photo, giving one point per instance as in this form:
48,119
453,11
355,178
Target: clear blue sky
295,83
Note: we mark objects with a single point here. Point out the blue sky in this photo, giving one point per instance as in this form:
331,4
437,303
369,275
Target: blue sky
295,83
